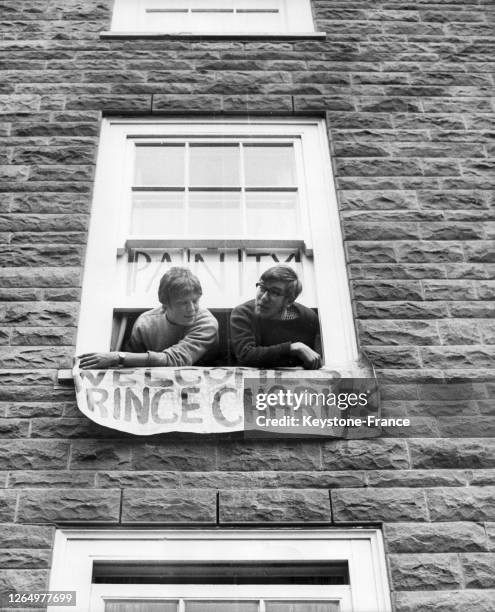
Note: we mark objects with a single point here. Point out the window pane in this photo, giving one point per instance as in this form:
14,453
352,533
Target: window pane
214,166
141,606
160,165
221,606
159,213
269,166
215,213
272,214
302,606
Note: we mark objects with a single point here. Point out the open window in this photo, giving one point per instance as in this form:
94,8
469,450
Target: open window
212,16
222,571
227,198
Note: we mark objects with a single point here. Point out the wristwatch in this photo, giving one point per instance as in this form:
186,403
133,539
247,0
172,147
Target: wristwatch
121,359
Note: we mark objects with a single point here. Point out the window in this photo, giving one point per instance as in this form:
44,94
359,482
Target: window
222,571
228,198
212,16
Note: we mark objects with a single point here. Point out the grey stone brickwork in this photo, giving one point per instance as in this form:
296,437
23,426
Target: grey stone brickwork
407,89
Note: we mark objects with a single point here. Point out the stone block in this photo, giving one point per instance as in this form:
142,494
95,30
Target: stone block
461,332
398,333
23,580
43,336
387,290
274,506
7,505
479,570
377,200
32,357
20,558
14,428
274,480
452,231
110,103
100,454
476,356
394,357
365,454
451,454
467,427
69,506
434,537
33,454
26,536
486,290
378,167
172,455
482,477
370,252
425,572
169,506
80,427
37,314
444,601
145,480
475,310
429,252
417,478
401,310
32,409
449,290
482,251
264,455
370,506
62,479
171,102
241,104
467,504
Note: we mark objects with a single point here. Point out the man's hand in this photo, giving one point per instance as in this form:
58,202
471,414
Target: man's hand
98,361
311,359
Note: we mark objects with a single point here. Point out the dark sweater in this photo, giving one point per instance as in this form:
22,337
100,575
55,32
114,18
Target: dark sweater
265,343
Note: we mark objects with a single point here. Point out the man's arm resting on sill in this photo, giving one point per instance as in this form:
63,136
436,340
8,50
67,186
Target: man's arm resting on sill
103,361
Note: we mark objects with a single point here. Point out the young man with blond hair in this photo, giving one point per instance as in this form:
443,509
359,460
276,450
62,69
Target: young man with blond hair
177,333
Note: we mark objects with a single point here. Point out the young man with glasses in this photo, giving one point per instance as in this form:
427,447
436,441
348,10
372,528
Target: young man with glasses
273,330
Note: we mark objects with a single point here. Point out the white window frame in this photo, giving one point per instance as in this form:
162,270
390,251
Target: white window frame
129,17
111,194
76,550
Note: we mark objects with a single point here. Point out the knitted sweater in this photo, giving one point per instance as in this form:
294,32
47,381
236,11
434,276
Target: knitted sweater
170,344
265,343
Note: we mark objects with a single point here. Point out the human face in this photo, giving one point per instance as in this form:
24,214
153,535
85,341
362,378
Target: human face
271,299
183,310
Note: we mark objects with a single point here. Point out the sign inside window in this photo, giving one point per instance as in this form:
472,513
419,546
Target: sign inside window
228,276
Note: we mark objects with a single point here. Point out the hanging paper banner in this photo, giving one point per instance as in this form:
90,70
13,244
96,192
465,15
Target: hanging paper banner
147,401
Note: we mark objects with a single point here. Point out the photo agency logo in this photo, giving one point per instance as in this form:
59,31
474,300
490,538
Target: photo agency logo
327,407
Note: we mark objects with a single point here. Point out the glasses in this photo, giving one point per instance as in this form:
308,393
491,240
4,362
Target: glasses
273,293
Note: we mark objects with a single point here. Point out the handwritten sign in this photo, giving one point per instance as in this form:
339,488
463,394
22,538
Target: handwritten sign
147,401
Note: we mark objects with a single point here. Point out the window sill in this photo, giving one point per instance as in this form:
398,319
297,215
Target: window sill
215,35
358,369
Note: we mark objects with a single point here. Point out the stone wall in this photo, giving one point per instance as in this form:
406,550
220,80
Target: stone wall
407,89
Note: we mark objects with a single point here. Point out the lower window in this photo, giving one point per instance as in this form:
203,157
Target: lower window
222,571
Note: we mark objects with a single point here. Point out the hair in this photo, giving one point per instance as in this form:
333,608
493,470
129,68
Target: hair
176,283
287,275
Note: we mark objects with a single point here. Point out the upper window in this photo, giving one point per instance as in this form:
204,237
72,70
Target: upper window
226,198
212,16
